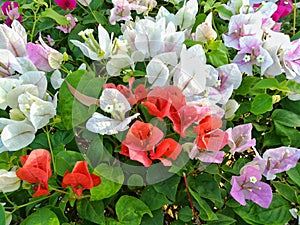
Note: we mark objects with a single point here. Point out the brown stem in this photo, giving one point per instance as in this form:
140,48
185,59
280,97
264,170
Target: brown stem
197,220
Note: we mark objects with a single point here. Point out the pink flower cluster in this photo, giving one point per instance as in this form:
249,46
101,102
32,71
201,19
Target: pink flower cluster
11,10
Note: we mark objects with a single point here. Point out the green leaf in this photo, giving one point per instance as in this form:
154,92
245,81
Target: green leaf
112,179
223,11
179,222
27,6
272,139
95,151
157,172
190,43
277,213
59,212
2,215
130,210
90,18
293,106
270,83
293,86
50,13
261,104
286,191
168,187
40,141
62,137
246,85
217,57
205,212
208,5
222,219
289,135
209,191
4,161
286,118
65,161
145,112
44,24
41,217
296,36
111,221
91,210
294,174
134,181
206,187
154,199
212,169
157,219
73,112
260,127
185,214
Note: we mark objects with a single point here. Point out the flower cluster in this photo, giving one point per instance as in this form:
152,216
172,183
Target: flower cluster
145,93
10,9
259,42
36,169
248,184
30,108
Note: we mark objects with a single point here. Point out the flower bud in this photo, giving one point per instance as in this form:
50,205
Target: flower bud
16,114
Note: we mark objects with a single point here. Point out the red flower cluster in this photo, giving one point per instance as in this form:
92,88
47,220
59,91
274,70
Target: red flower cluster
210,137
80,178
37,170
142,144
170,102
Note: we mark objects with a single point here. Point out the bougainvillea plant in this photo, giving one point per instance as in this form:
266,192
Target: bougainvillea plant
149,112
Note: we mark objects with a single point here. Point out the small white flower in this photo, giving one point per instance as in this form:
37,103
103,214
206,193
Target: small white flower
253,179
260,59
114,102
108,108
247,58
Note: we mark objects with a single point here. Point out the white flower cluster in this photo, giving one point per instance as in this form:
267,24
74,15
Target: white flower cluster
30,105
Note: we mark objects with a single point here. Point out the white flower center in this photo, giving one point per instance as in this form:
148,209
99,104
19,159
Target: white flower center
247,58
27,107
120,107
109,108
253,179
260,59
218,83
